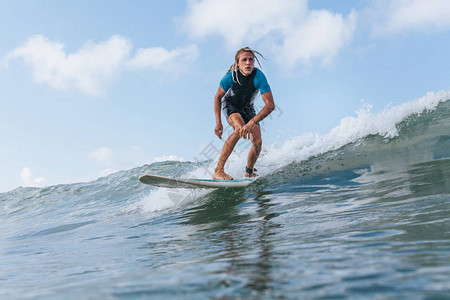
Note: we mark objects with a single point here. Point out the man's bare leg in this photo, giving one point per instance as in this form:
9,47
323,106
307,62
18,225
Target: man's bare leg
237,122
255,150
219,172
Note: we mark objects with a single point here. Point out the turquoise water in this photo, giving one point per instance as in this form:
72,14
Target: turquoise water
369,219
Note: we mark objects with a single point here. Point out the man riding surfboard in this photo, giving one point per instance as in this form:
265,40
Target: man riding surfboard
236,95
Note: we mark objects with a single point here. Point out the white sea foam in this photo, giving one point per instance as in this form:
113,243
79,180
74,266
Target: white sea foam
350,130
165,198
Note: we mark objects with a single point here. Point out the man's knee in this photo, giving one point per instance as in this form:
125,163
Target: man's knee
257,144
237,129
235,136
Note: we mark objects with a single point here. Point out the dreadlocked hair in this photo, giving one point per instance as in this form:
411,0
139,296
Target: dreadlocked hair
234,67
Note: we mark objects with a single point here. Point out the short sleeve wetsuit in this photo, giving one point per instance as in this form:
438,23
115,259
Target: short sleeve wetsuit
240,98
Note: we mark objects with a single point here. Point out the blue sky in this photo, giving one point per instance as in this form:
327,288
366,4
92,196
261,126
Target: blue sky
92,87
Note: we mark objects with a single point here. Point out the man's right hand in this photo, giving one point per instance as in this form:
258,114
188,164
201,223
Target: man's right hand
219,130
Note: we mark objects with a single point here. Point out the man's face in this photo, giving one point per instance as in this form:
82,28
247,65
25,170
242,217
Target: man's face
246,63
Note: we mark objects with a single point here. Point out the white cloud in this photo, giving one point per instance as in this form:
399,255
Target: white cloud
89,70
300,34
397,16
321,35
161,59
29,180
102,156
241,21
105,158
95,65
168,158
112,160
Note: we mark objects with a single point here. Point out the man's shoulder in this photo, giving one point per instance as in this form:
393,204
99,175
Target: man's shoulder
261,82
227,81
259,73
227,76
260,77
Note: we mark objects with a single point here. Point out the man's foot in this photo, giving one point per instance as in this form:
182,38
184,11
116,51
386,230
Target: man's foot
249,173
221,175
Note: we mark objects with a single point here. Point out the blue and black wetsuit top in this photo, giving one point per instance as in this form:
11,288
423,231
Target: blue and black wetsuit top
240,98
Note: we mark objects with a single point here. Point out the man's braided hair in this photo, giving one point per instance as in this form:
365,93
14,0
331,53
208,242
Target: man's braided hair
234,68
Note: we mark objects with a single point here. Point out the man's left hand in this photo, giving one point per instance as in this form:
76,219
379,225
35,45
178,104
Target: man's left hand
246,131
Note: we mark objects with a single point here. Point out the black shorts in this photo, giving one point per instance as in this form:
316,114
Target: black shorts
247,113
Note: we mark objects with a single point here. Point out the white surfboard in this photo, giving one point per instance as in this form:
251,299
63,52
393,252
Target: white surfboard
169,182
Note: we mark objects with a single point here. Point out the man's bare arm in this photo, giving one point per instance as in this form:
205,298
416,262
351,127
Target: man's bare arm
217,111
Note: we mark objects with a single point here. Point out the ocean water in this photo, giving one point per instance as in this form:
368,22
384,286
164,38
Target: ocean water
362,212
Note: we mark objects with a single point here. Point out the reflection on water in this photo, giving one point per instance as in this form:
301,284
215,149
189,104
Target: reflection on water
242,236
375,235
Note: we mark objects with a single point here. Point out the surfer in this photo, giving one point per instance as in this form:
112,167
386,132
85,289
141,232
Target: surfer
236,94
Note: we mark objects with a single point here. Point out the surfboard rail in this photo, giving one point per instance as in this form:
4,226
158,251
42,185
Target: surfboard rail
170,182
